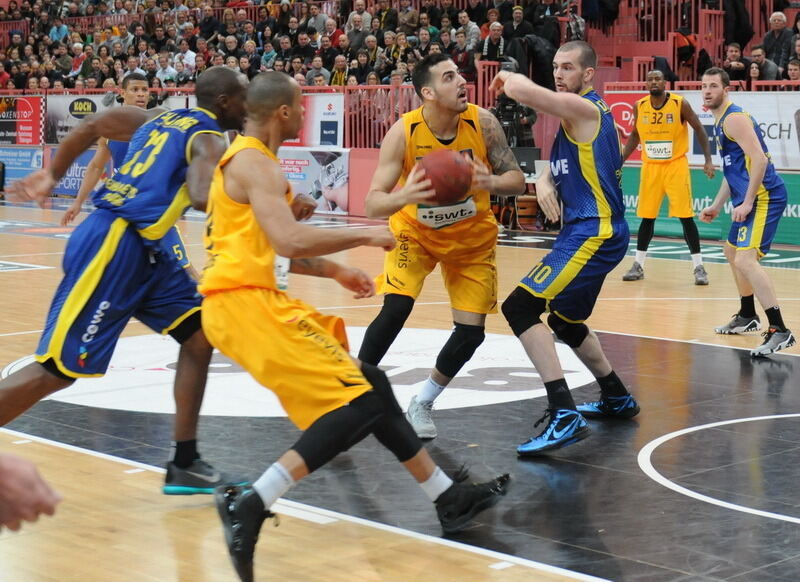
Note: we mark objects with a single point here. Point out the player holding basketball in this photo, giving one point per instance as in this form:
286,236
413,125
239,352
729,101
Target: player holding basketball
135,92
113,267
287,345
759,198
462,237
585,171
660,123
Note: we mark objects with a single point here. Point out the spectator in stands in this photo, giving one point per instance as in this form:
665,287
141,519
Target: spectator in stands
59,30
44,83
297,66
248,33
165,69
230,48
32,85
133,67
793,71
317,80
362,68
4,76
327,52
301,79
471,30
357,32
333,32
777,42
284,50
450,11
377,31
493,47
424,22
279,65
345,48
373,50
339,72
796,50
767,69
359,9
401,40
185,54
737,67
249,66
517,27
316,19
208,25
423,45
446,41
200,65
124,37
386,16
407,18
78,57
316,68
463,57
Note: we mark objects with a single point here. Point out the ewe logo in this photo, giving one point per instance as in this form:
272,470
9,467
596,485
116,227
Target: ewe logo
143,368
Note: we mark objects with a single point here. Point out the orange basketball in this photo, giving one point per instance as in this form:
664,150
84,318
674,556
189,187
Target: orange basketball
450,173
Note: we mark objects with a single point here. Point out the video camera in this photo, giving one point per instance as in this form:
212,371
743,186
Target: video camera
510,113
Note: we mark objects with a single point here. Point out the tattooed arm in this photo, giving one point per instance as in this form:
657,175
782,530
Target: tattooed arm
350,278
505,177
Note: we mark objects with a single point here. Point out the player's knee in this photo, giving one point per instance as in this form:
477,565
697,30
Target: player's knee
381,387
460,347
571,334
523,310
396,308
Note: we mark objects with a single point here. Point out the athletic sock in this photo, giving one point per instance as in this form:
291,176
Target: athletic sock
429,391
185,452
748,306
558,394
272,484
697,260
640,257
436,484
611,385
775,318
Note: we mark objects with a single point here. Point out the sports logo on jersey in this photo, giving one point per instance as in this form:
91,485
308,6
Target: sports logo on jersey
670,118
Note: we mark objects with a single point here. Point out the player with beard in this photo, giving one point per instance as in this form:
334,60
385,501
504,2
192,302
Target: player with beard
461,237
759,198
660,123
585,171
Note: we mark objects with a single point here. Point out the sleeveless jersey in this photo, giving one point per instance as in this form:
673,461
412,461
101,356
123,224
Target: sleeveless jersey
587,175
663,132
239,252
118,149
735,164
459,218
148,189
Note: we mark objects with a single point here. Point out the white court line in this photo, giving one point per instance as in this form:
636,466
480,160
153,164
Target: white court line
21,332
381,305
31,255
646,465
682,299
302,507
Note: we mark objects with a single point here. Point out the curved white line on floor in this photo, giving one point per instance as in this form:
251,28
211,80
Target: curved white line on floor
645,464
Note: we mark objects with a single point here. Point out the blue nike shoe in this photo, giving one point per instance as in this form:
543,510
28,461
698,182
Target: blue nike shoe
565,427
610,407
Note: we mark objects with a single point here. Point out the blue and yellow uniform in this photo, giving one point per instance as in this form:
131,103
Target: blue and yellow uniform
757,231
462,236
113,267
172,242
594,238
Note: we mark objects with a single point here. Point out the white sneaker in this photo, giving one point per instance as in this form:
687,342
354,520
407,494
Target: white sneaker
774,341
419,415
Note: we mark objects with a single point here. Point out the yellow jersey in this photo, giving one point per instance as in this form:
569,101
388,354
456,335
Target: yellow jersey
239,252
471,217
663,133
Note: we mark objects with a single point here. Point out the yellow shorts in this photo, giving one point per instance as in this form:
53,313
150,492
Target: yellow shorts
469,274
287,346
670,178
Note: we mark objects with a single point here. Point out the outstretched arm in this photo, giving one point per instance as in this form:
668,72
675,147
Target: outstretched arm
94,170
350,278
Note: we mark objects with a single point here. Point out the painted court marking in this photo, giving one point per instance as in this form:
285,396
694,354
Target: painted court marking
645,463
321,516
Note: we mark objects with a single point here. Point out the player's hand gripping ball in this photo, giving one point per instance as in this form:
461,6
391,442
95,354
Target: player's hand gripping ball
450,174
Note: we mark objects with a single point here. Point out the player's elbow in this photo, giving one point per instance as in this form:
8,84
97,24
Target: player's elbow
372,207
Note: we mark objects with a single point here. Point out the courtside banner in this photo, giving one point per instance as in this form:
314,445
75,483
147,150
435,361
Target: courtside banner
324,121
20,161
320,172
64,112
21,120
70,184
777,113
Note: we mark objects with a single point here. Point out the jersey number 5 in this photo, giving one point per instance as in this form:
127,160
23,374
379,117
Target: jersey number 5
152,148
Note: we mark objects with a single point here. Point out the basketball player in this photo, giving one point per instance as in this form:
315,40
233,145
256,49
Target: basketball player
660,122
24,495
135,91
113,267
759,198
585,170
462,237
287,345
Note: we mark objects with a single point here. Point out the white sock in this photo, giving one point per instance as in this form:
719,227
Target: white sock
430,390
436,484
272,484
697,260
640,257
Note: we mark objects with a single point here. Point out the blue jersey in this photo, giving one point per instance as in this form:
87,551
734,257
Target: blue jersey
587,175
148,190
736,165
118,149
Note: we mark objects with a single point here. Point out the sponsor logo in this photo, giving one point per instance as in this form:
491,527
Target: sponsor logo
82,355
402,251
442,216
559,167
80,108
94,324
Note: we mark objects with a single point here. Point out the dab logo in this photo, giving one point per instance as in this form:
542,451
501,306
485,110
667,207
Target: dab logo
82,107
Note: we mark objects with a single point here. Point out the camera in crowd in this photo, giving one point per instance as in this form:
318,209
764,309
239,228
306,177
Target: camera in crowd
516,120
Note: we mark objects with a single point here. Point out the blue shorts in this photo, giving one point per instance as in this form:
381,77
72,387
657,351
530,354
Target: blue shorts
758,230
173,243
109,277
570,276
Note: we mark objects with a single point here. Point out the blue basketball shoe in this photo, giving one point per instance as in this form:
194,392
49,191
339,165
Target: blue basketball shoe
610,407
565,427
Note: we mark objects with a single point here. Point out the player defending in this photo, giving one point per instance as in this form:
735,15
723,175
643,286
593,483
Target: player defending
462,236
759,198
113,269
660,122
585,170
287,345
134,92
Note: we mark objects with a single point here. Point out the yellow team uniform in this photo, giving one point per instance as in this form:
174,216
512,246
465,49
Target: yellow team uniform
461,236
664,136
287,346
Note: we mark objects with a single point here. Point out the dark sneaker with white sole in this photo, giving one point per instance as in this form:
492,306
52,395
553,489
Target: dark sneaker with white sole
774,341
463,501
739,324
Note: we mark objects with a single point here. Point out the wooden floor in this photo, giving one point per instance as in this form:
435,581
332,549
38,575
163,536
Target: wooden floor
115,525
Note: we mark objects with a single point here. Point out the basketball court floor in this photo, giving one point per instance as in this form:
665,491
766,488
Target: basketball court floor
700,486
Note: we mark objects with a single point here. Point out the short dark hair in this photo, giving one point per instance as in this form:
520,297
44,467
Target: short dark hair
587,58
758,47
794,62
422,71
723,75
735,45
132,77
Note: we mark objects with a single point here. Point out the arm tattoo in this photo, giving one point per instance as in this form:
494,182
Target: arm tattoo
315,266
500,155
